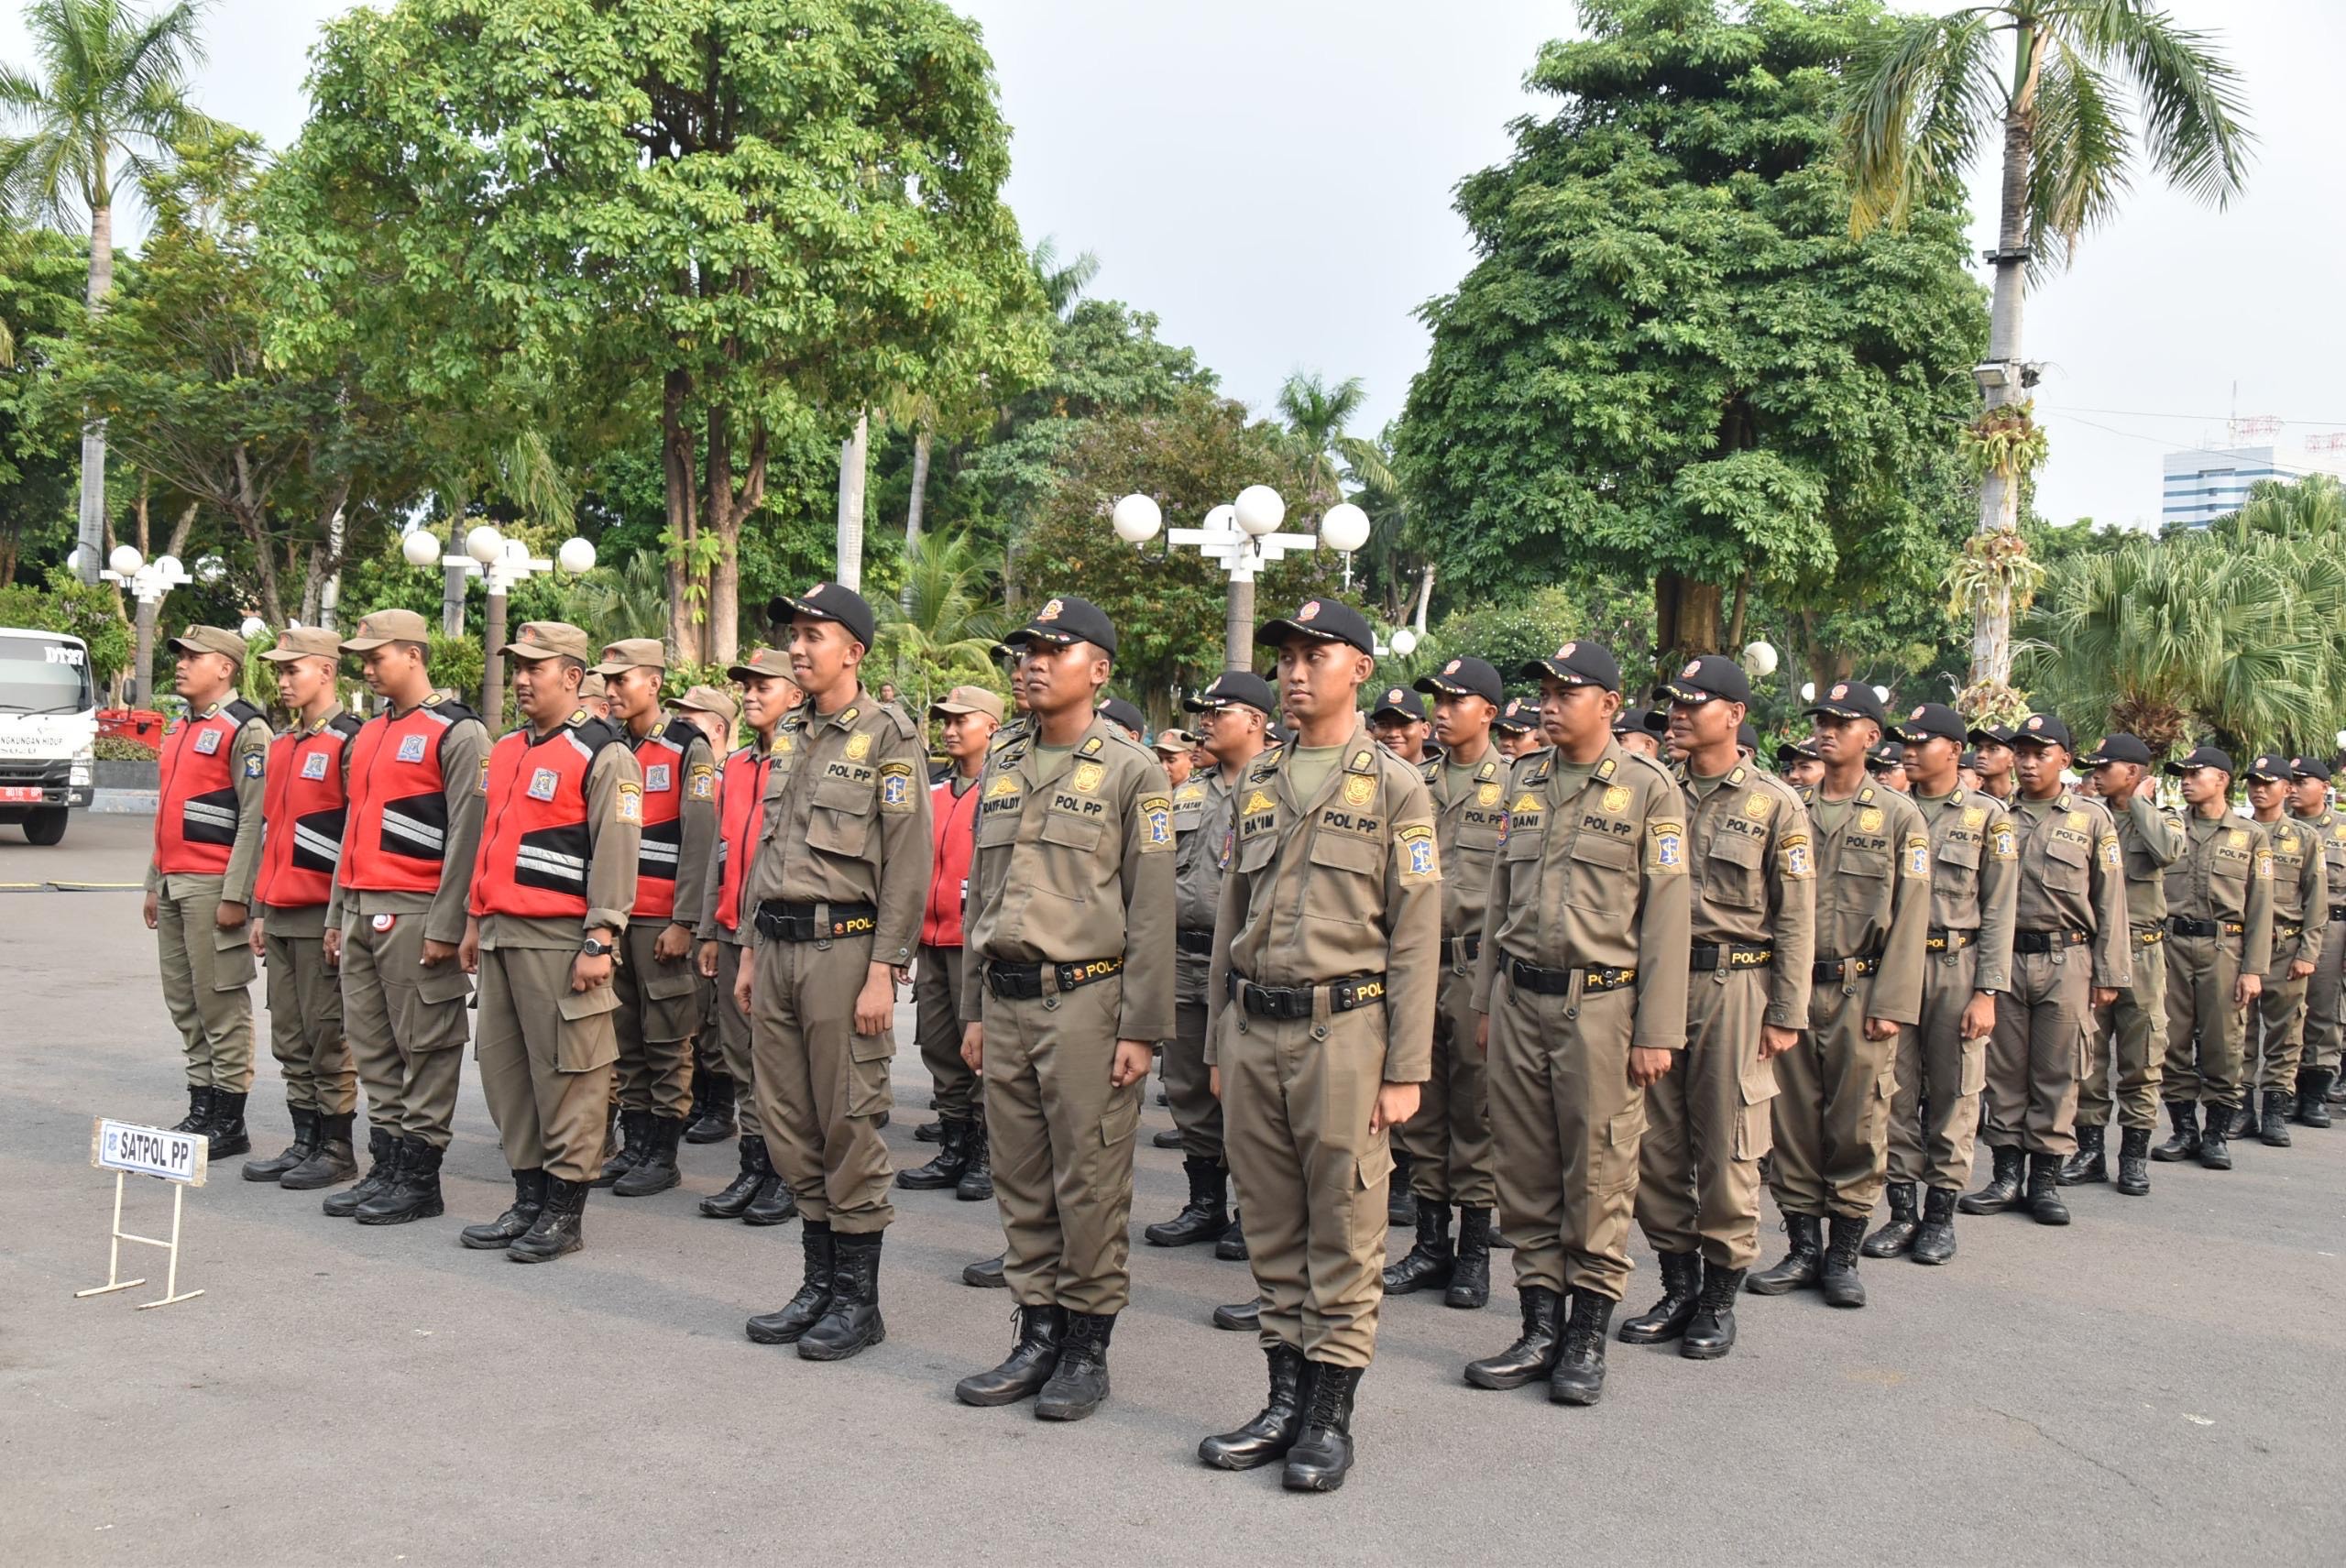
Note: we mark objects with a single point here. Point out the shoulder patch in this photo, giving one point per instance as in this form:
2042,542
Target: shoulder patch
1156,824
1918,856
1420,858
2003,842
896,786
1795,858
1666,848
2111,856
631,802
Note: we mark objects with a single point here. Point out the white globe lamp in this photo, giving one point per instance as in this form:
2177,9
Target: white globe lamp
1404,643
125,560
1760,661
254,626
1136,519
167,567
577,556
421,549
1223,519
485,545
1260,510
1808,691
1345,528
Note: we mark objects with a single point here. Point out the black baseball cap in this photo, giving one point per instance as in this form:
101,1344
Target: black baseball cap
2202,757
1397,699
1234,688
1714,677
1064,620
1465,677
1330,621
1969,760
1118,711
1279,734
1889,754
1577,663
1791,752
1990,735
1642,721
1932,721
1850,700
1747,737
2265,765
2308,768
2044,730
2119,748
1520,713
825,601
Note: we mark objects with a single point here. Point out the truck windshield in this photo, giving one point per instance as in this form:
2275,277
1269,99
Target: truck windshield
41,676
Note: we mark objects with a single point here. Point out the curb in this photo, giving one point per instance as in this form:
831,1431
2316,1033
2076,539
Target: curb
123,802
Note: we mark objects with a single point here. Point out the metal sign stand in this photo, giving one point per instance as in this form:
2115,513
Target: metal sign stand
190,1165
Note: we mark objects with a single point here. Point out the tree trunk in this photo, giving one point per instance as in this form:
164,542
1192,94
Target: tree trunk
854,458
143,544
1735,623
1686,617
91,527
676,459
921,442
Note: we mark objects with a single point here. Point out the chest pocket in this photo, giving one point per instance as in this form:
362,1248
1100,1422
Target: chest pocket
2068,864
1070,832
1604,874
2140,867
1956,865
1254,855
840,823
1342,853
1734,872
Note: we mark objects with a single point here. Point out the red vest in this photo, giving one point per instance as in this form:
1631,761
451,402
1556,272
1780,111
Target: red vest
395,841
662,757
195,813
741,816
535,847
953,825
303,810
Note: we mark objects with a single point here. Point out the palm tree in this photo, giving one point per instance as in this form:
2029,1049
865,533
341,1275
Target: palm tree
1919,106
948,620
113,103
1316,414
1063,284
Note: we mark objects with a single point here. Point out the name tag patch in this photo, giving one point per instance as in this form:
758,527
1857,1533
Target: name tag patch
544,782
410,747
657,776
208,742
314,766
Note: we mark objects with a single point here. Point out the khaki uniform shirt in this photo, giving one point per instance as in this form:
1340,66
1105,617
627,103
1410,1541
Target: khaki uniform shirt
306,921
1203,830
2150,841
1469,826
614,839
1345,882
1873,871
2300,892
1751,867
847,820
1975,877
697,826
1592,874
251,780
464,793
2225,873
1074,863
2072,878
2331,826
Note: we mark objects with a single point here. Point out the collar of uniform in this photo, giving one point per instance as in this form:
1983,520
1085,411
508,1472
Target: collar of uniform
208,713
843,719
1359,758
303,732
1864,794
2066,802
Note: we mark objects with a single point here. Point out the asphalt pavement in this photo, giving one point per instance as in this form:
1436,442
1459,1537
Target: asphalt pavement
2158,1382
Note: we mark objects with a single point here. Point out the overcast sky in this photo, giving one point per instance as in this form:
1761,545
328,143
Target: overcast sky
1273,178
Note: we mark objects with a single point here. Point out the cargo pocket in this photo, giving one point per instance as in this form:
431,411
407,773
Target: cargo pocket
439,1017
1377,1165
1617,1160
869,1091
587,1040
1755,1133
232,958
1974,1068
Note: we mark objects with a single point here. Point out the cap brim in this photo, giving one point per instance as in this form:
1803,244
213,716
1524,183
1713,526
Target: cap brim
2041,741
181,645
1381,711
1985,738
1836,710
532,650
608,669
1280,631
365,644
1049,635
2253,776
952,709
1547,670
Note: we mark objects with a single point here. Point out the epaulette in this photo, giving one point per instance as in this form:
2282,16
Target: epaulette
449,709
593,733
905,727
243,712
682,731
1430,769
1637,758
346,725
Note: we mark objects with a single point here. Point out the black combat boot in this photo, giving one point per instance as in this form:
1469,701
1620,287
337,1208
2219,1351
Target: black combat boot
2133,1167
2336,1093
1240,1317
2274,1131
713,1121
1838,1278
1801,1265
803,1310
851,1323
329,1162
656,1171
1400,1203
986,1273
199,1108
1533,1354
2044,1203
383,1153
1170,1139
2215,1146
1470,1277
2243,1116
976,1185
1710,1332
1429,1262
929,1131
727,1202
1321,1455
304,1144
635,1129
225,1132
945,1171
559,1228
2004,1187
529,1202
1207,1214
2313,1097
2185,1142
1078,1386
1935,1241
1578,1375
1897,1232
775,1202
1276,1426
2089,1164
1682,1283
1033,1356
1231,1247
415,1196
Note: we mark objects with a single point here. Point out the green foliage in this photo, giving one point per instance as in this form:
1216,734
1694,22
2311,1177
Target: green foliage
122,749
1508,635
112,97
949,634
41,280
91,612
457,666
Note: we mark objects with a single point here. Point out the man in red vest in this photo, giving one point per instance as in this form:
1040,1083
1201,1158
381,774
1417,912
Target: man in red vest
715,712
304,807
200,883
561,836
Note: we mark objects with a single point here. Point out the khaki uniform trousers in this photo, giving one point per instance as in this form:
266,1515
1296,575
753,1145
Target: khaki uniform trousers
2038,1053
732,1032
2276,1037
1449,1140
406,1026
1568,1124
206,972
1708,1124
2203,1027
545,1054
1832,1108
1296,1096
822,1088
937,1025
1061,1141
1934,1102
306,1025
2132,1031
2325,1018
1189,1084
659,1012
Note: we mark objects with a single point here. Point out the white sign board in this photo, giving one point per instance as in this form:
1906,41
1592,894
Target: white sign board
149,1151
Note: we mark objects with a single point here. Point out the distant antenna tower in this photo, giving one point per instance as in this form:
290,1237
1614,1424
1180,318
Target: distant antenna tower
2334,442
2254,429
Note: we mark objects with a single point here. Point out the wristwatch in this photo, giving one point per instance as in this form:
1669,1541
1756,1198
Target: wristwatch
594,948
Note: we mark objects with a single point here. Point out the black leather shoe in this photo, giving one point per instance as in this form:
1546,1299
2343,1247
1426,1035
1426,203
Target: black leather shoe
945,1171
1231,1247
2133,1170
803,1310
1935,1240
226,1133
1400,1203
2243,1125
851,1325
1710,1332
383,1150
1240,1316
2004,1187
414,1195
2089,1164
1838,1277
714,1119
2215,1144
1078,1386
775,1202
2184,1143
728,1201
305,1143
1533,1355
2274,1130
633,1127
2313,1097
2044,1204
1274,1427
1578,1375
1470,1276
1207,1214
1801,1265
929,1131
656,1171
1897,1232
986,1273
561,1227
1430,1261
1034,1356
329,1162
976,1185
199,1110
1321,1455
529,1202
1170,1139
1681,1282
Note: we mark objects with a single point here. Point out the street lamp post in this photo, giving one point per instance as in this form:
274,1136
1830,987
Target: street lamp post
147,582
502,562
1242,536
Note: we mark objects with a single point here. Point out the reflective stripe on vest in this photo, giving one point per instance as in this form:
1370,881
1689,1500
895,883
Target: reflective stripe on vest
740,814
196,807
397,831
533,840
302,811
661,757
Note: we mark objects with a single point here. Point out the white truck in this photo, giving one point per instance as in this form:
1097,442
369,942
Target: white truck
48,730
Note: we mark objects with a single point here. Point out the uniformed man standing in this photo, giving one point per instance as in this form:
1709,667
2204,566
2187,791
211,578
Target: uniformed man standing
1517,729
2276,1033
397,914
2135,1028
2069,959
1834,1087
1323,995
1992,754
2309,804
838,886
715,712
306,805
553,884
1583,980
1234,711
656,983
1399,725
200,880
2218,948
1751,874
